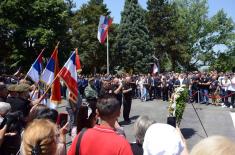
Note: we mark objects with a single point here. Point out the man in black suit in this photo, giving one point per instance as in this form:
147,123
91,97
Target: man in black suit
127,98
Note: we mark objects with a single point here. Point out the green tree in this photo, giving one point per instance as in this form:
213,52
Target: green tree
27,26
133,41
224,61
167,32
84,32
205,35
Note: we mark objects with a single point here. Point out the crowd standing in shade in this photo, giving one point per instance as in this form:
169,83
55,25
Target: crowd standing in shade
29,127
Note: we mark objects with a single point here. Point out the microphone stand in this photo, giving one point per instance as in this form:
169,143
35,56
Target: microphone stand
199,119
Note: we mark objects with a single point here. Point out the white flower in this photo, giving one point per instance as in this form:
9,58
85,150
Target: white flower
179,89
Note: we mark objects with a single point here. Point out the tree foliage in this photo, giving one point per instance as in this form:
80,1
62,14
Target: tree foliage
167,32
27,26
179,33
206,35
182,31
133,41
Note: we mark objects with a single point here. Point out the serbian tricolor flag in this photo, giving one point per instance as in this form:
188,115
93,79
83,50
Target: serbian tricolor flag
69,75
48,74
104,24
36,69
48,77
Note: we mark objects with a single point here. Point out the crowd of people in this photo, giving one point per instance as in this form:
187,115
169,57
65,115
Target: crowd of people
202,86
29,127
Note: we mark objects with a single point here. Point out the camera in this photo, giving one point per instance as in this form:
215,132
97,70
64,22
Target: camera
14,121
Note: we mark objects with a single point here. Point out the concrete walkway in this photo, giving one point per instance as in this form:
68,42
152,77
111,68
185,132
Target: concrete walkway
156,110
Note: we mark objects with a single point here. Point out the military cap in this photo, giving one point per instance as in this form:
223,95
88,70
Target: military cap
11,87
22,87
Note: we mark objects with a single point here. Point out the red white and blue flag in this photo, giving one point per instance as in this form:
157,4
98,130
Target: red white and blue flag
103,27
48,77
69,75
48,73
36,69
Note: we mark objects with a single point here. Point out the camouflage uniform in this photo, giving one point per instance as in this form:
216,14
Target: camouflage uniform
90,93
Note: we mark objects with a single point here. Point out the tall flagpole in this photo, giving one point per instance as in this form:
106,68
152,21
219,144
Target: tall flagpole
107,52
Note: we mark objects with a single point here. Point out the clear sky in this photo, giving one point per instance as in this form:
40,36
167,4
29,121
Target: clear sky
116,6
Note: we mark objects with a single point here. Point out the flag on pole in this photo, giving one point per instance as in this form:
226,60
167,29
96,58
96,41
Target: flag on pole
78,64
36,69
69,75
48,73
104,24
55,88
155,68
48,77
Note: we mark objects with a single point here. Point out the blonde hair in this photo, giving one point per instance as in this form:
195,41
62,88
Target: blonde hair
215,145
40,134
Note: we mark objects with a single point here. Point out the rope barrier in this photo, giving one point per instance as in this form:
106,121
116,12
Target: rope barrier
212,96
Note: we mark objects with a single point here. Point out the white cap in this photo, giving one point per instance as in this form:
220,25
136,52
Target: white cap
162,139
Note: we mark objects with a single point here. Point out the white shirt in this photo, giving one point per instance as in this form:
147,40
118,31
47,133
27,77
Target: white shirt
225,84
231,87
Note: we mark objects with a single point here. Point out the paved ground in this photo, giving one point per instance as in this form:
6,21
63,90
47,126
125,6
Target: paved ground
216,120
156,110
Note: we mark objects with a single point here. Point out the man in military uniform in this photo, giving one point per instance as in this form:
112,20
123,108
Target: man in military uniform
19,98
90,91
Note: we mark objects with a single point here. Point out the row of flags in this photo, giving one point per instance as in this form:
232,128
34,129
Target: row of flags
52,75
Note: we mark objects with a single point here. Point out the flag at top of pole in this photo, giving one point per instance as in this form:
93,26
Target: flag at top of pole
104,24
36,69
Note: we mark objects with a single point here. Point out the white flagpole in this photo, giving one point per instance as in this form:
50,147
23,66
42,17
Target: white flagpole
107,52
